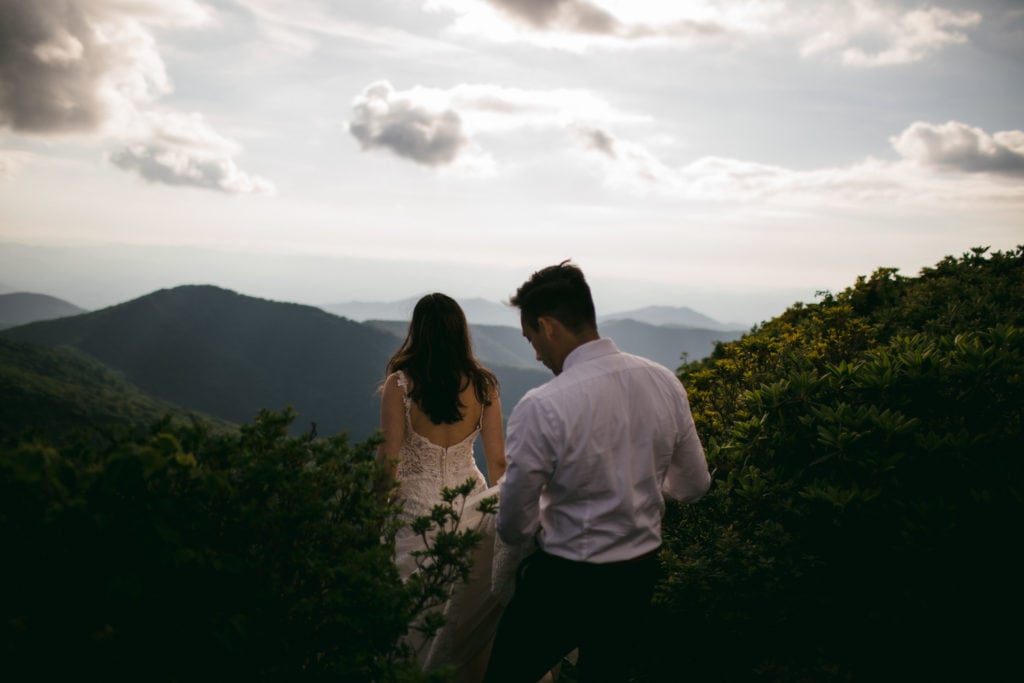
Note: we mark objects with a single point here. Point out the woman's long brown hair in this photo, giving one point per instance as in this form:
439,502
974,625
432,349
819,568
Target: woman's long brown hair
437,356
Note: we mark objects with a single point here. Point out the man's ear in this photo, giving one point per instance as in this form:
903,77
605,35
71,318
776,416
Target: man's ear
549,327
546,326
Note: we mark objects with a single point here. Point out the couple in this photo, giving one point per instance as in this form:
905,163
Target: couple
591,456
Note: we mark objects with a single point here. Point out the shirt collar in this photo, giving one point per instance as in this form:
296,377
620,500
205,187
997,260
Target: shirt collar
589,351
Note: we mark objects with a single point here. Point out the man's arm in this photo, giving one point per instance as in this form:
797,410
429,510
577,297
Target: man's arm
687,478
530,464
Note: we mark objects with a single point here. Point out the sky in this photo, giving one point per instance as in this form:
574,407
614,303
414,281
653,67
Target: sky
732,157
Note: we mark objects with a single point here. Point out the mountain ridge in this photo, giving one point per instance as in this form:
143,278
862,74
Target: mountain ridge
230,355
21,308
481,311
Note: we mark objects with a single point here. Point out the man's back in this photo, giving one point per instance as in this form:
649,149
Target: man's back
590,450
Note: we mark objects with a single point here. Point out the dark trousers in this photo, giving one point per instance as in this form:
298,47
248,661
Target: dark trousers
560,605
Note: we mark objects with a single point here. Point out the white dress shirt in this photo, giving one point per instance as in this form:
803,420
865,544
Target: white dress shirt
592,454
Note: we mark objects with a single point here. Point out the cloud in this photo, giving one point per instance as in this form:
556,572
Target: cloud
957,146
895,36
571,15
856,33
436,127
632,168
384,118
299,27
183,150
76,66
10,162
92,67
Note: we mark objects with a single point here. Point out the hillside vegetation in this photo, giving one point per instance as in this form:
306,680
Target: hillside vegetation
868,455
52,392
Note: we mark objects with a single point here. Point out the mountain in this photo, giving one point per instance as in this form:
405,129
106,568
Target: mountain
229,355
20,308
502,346
671,316
478,311
54,391
494,345
664,344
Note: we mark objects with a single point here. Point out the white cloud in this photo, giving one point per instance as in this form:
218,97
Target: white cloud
911,180
177,149
92,67
437,127
82,66
581,24
300,26
11,162
957,146
869,33
858,33
407,124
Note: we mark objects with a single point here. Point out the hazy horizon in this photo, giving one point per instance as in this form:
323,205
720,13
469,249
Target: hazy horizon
97,276
731,157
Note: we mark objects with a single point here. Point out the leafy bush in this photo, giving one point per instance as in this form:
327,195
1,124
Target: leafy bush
868,469
184,555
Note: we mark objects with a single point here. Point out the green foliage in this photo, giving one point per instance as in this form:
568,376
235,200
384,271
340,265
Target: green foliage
867,457
186,554
445,558
50,392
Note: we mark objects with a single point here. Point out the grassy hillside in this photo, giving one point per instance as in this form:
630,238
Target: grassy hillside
228,355
50,393
863,521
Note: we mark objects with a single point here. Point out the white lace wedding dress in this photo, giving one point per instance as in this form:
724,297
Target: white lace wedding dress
473,609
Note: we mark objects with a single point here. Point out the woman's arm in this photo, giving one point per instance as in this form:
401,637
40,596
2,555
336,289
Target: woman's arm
493,439
392,424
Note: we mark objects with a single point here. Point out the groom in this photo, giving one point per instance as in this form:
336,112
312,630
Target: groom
591,455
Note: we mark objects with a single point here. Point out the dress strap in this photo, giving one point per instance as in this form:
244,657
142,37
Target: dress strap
404,383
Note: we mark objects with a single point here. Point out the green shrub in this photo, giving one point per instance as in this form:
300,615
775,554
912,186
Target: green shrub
868,469
187,555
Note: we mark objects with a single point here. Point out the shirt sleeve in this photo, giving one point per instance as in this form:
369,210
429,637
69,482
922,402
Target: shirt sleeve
687,478
530,465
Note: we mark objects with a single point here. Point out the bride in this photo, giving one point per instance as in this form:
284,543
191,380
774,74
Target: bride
437,399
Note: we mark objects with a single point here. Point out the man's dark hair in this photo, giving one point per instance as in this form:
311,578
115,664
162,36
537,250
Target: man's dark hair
560,292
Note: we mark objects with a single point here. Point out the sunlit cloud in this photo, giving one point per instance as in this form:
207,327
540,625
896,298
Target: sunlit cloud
868,33
11,162
956,146
301,26
92,68
934,166
407,125
177,149
436,127
80,67
856,33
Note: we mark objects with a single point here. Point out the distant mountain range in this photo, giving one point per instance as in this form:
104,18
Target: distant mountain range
228,355
484,312
220,353
20,308
478,311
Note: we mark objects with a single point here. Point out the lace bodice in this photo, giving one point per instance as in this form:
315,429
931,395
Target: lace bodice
424,467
